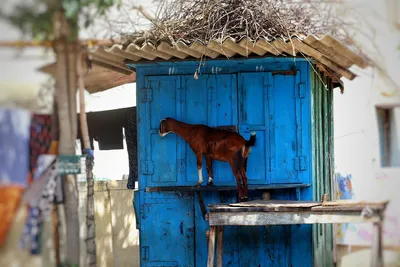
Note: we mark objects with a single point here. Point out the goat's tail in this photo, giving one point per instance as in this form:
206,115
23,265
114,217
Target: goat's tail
252,140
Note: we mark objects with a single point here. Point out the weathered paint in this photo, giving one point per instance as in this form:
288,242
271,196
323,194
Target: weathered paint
270,96
323,161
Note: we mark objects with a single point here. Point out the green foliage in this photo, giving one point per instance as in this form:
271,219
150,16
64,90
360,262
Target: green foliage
34,18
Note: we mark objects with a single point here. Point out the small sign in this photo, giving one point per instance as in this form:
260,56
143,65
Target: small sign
69,165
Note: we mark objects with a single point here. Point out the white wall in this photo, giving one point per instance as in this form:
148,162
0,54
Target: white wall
357,149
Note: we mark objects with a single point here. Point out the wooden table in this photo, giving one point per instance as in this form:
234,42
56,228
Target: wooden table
272,212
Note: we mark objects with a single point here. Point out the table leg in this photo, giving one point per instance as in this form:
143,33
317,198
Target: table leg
211,246
377,257
220,245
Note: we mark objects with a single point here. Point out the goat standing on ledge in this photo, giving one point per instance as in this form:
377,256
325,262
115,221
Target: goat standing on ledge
217,144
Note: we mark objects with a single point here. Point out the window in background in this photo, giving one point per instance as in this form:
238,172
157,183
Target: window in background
389,135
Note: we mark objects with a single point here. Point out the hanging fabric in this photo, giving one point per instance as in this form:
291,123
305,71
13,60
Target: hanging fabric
14,163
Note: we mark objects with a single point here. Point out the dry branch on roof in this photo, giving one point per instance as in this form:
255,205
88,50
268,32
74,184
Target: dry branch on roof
206,20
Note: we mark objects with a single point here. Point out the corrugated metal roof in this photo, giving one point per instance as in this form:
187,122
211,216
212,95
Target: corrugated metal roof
333,55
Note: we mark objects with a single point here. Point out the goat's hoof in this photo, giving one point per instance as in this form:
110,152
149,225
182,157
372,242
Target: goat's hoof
210,183
243,199
198,185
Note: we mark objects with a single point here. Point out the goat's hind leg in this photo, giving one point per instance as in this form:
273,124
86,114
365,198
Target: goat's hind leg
209,170
245,185
199,168
236,173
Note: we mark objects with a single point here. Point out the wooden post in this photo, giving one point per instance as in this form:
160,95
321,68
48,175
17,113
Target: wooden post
67,137
211,246
90,212
220,245
56,238
377,257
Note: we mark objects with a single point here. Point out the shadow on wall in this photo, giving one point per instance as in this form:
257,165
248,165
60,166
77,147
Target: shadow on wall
117,239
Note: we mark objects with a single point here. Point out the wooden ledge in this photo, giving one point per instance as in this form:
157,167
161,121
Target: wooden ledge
222,188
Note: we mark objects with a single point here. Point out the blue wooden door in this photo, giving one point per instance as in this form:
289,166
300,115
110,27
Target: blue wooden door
160,98
194,107
167,229
286,115
253,92
209,100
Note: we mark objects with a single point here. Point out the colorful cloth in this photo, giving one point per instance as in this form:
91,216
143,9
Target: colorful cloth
40,140
14,163
43,180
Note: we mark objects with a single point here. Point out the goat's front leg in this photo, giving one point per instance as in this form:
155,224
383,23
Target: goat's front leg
199,157
209,170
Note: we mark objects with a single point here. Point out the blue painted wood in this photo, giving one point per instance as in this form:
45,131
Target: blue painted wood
224,112
285,139
252,91
228,92
162,151
169,218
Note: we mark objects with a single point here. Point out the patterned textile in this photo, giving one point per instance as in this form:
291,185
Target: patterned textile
43,180
14,163
40,196
131,145
40,139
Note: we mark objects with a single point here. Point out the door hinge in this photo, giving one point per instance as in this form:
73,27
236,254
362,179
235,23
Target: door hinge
146,95
181,165
147,167
301,90
300,163
145,253
270,164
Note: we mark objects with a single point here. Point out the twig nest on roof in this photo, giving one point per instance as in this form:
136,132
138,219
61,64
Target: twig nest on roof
203,21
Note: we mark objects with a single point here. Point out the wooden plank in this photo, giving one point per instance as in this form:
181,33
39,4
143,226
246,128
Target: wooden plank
277,203
222,188
231,209
287,218
211,246
358,208
348,202
220,245
201,204
376,250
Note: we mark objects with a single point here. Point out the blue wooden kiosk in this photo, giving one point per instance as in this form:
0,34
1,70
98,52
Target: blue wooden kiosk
245,86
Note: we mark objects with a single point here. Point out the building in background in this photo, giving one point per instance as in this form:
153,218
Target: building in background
367,130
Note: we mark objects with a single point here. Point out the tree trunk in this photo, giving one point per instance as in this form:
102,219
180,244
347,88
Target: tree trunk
66,144
90,222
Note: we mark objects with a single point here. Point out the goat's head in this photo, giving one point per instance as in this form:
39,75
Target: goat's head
165,127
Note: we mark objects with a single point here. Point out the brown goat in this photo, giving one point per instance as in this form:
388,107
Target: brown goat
217,144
